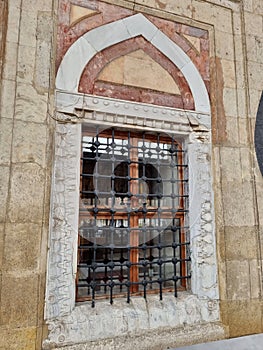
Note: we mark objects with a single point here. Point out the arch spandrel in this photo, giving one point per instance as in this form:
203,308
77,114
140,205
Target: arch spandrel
86,47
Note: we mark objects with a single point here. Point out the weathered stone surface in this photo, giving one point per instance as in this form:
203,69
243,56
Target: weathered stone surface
26,193
9,67
29,145
230,102
19,296
208,28
25,64
27,237
6,126
8,90
4,181
26,107
243,316
17,338
235,249
13,21
43,48
2,231
238,282
238,203
160,339
229,73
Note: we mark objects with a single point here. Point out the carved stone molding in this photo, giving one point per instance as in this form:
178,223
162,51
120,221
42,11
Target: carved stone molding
70,323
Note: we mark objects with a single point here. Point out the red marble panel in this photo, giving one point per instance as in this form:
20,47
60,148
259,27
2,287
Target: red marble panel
95,66
106,13
134,94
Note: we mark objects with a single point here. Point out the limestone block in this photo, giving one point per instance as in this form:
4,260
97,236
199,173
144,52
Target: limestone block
232,131
2,232
181,7
216,164
25,66
222,280
259,192
19,297
22,247
254,97
230,164
32,6
236,24
29,143
238,279
5,140
244,317
4,181
13,21
248,5
30,106
230,102
241,103
220,17
238,45
43,51
258,7
246,165
224,44
255,277
17,338
229,74
255,79
28,25
9,70
27,193
7,99
254,46
253,24
238,203
235,249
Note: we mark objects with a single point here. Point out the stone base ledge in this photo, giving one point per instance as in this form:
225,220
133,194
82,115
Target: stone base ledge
160,339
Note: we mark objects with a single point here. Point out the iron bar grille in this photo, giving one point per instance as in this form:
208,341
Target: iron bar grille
132,222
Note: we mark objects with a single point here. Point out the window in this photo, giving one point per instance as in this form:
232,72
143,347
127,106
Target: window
133,204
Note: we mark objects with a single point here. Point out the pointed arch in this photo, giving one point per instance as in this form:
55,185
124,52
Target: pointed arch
88,45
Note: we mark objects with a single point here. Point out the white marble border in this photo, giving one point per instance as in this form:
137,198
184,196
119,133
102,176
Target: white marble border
70,323
86,47
77,103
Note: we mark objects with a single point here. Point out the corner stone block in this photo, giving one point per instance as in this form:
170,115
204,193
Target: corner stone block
27,193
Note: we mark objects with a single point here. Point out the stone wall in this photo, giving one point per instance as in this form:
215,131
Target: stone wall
25,167
26,137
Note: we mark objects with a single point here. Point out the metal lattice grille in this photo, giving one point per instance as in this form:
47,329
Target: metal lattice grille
132,234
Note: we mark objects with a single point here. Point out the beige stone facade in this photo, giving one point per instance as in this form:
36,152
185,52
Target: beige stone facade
223,41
